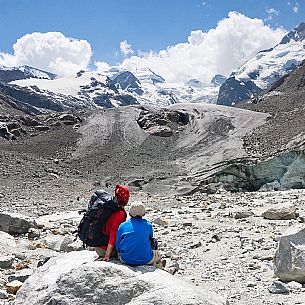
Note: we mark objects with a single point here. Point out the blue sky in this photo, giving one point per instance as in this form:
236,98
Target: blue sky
145,25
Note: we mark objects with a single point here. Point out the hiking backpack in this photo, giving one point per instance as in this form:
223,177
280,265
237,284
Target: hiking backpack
101,206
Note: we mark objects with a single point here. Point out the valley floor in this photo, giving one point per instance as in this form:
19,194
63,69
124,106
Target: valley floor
212,248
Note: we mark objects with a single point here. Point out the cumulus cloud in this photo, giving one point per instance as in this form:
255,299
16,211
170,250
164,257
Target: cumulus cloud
126,48
218,51
296,9
50,51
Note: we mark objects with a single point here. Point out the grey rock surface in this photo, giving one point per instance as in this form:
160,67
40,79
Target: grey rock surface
289,260
6,261
15,223
277,287
21,275
281,211
75,278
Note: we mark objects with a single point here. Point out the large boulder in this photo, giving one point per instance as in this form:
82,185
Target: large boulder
75,278
14,223
281,212
289,260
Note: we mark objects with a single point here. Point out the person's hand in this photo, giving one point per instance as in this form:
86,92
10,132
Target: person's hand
100,258
106,258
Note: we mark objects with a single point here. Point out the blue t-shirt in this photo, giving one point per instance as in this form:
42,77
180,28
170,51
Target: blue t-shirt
132,241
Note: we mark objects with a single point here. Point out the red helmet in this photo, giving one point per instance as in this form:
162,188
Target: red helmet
122,194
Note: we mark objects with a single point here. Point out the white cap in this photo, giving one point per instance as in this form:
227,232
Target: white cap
137,208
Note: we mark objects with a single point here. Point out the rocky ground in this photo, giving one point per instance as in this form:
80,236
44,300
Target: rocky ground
284,129
220,242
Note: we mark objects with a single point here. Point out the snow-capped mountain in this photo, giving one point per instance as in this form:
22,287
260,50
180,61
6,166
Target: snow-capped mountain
261,71
8,74
117,87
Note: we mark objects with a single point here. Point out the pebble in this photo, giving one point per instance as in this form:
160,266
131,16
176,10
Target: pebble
278,287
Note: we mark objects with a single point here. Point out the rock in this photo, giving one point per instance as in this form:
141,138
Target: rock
289,260
281,211
242,214
75,278
14,223
294,285
7,243
161,222
51,221
58,242
172,268
161,131
13,287
278,287
69,118
6,261
302,217
21,275
33,233
3,294
195,245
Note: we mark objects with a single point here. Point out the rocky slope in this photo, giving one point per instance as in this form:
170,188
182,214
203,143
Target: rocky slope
284,130
261,71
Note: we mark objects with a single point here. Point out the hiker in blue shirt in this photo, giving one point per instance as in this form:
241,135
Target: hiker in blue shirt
133,240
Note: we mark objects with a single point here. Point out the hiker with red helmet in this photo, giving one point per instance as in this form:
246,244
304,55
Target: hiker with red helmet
121,196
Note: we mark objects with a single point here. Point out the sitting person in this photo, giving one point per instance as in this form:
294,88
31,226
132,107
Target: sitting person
121,195
133,240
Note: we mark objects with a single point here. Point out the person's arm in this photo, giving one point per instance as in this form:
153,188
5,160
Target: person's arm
116,221
108,253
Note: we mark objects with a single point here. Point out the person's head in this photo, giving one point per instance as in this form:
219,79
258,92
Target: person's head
137,209
122,194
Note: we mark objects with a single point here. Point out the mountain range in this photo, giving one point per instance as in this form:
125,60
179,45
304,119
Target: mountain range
115,86
261,71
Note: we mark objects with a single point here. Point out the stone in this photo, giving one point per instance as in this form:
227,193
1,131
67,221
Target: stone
242,214
6,261
195,245
161,222
69,278
294,285
51,221
7,243
21,275
281,212
14,223
33,233
278,287
289,260
58,242
3,294
302,217
13,287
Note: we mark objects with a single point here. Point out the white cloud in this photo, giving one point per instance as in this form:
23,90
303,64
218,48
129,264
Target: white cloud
126,48
218,51
101,66
50,51
271,13
296,9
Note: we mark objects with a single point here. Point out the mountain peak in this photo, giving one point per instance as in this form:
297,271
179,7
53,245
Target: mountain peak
296,34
